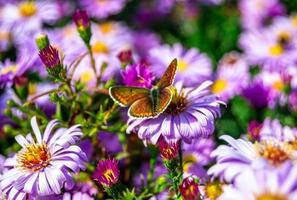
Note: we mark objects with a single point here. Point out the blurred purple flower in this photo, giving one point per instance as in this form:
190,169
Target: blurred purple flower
292,101
106,8
81,190
231,77
190,115
110,142
81,19
193,67
42,167
267,184
143,41
253,130
197,155
256,13
138,75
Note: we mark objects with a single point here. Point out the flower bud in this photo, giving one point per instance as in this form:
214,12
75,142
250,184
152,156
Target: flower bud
125,56
254,129
168,151
189,189
42,41
82,21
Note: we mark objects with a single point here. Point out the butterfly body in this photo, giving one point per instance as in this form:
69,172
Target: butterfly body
143,102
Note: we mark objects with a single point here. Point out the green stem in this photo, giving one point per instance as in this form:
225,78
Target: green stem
93,64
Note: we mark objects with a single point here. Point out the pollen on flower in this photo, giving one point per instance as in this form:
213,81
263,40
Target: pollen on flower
213,190
177,105
271,196
182,65
219,86
276,50
188,160
107,27
100,47
34,157
27,9
275,152
107,172
10,69
278,85
86,76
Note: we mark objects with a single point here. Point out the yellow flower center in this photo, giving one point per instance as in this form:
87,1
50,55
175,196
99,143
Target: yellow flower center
213,190
27,9
109,175
10,69
275,152
188,161
278,85
219,86
270,196
34,157
100,47
182,65
86,76
107,27
293,144
177,105
276,50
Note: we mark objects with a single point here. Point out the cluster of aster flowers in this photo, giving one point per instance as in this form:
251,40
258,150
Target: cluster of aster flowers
228,130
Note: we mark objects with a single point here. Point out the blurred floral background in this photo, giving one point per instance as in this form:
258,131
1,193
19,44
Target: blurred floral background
228,132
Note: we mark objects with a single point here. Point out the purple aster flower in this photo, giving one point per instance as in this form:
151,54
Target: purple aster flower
10,71
231,77
190,115
193,67
273,48
44,165
110,142
197,155
277,184
240,155
81,190
189,189
107,172
256,13
137,75
102,8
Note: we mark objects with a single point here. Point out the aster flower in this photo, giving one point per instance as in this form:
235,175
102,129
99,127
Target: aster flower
10,71
263,184
190,115
240,155
107,172
255,13
44,165
231,77
81,19
81,190
125,56
106,7
273,47
144,41
189,189
137,75
197,155
193,67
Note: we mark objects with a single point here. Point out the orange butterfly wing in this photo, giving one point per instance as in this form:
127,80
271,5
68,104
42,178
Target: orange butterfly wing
168,76
141,108
126,96
164,100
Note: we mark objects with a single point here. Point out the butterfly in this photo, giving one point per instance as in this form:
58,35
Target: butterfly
143,102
